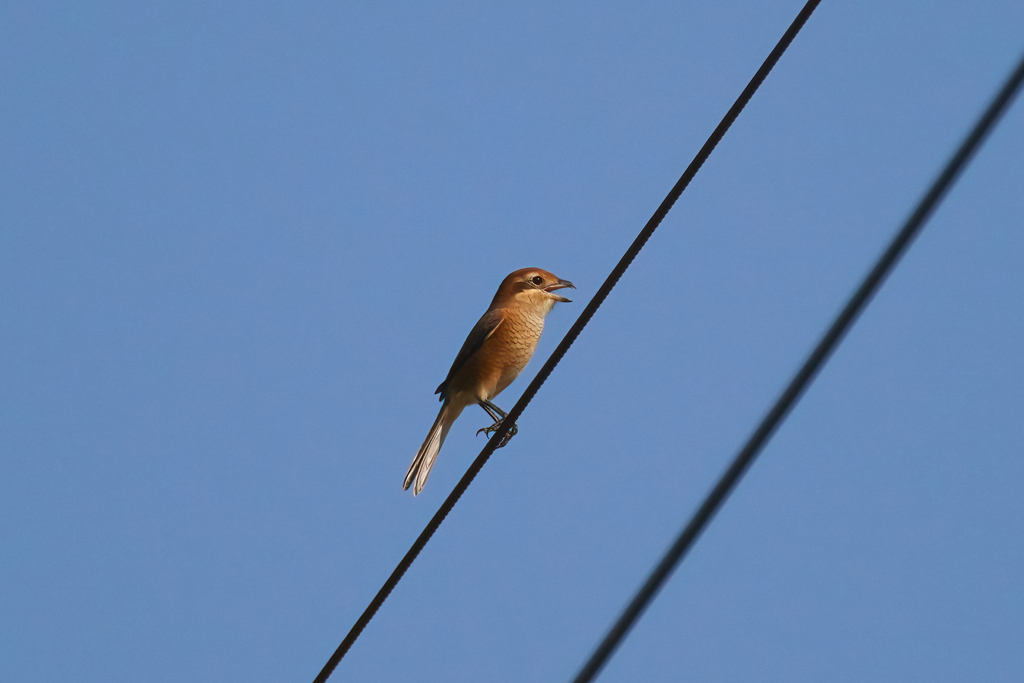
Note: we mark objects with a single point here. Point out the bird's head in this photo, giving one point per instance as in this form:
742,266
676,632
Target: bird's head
532,287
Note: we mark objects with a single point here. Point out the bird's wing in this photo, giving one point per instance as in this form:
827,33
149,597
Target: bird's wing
483,329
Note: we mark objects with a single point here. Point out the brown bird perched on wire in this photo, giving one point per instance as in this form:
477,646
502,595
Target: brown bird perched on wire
495,352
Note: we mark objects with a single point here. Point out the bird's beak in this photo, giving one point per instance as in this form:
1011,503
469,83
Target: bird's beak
561,284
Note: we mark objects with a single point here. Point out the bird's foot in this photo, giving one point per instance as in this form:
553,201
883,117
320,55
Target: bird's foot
494,427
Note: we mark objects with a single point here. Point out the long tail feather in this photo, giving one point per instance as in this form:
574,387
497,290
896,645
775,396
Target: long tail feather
424,460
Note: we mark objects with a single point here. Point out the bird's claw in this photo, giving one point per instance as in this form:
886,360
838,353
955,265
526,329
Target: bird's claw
494,427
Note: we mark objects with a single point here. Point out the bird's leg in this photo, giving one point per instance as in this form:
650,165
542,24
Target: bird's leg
498,415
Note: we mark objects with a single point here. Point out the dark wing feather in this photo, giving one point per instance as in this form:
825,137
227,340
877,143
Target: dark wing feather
483,329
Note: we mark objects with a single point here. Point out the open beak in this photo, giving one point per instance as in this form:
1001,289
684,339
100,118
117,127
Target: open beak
561,284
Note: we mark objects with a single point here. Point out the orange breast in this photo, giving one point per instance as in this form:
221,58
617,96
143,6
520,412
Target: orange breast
502,357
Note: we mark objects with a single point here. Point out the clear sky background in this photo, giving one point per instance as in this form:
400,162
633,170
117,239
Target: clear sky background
241,243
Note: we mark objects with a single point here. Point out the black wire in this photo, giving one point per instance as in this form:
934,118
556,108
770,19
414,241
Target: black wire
567,341
799,383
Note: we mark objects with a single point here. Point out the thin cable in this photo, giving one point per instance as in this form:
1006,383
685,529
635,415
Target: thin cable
803,378
567,341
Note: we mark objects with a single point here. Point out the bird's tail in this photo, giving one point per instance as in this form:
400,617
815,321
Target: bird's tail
424,460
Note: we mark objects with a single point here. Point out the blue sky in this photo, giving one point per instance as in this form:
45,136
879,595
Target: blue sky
241,243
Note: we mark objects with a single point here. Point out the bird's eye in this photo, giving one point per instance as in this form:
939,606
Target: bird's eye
537,280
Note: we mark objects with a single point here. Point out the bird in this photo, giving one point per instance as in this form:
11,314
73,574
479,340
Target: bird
495,352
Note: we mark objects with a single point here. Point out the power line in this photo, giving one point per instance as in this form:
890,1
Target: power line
567,341
821,353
